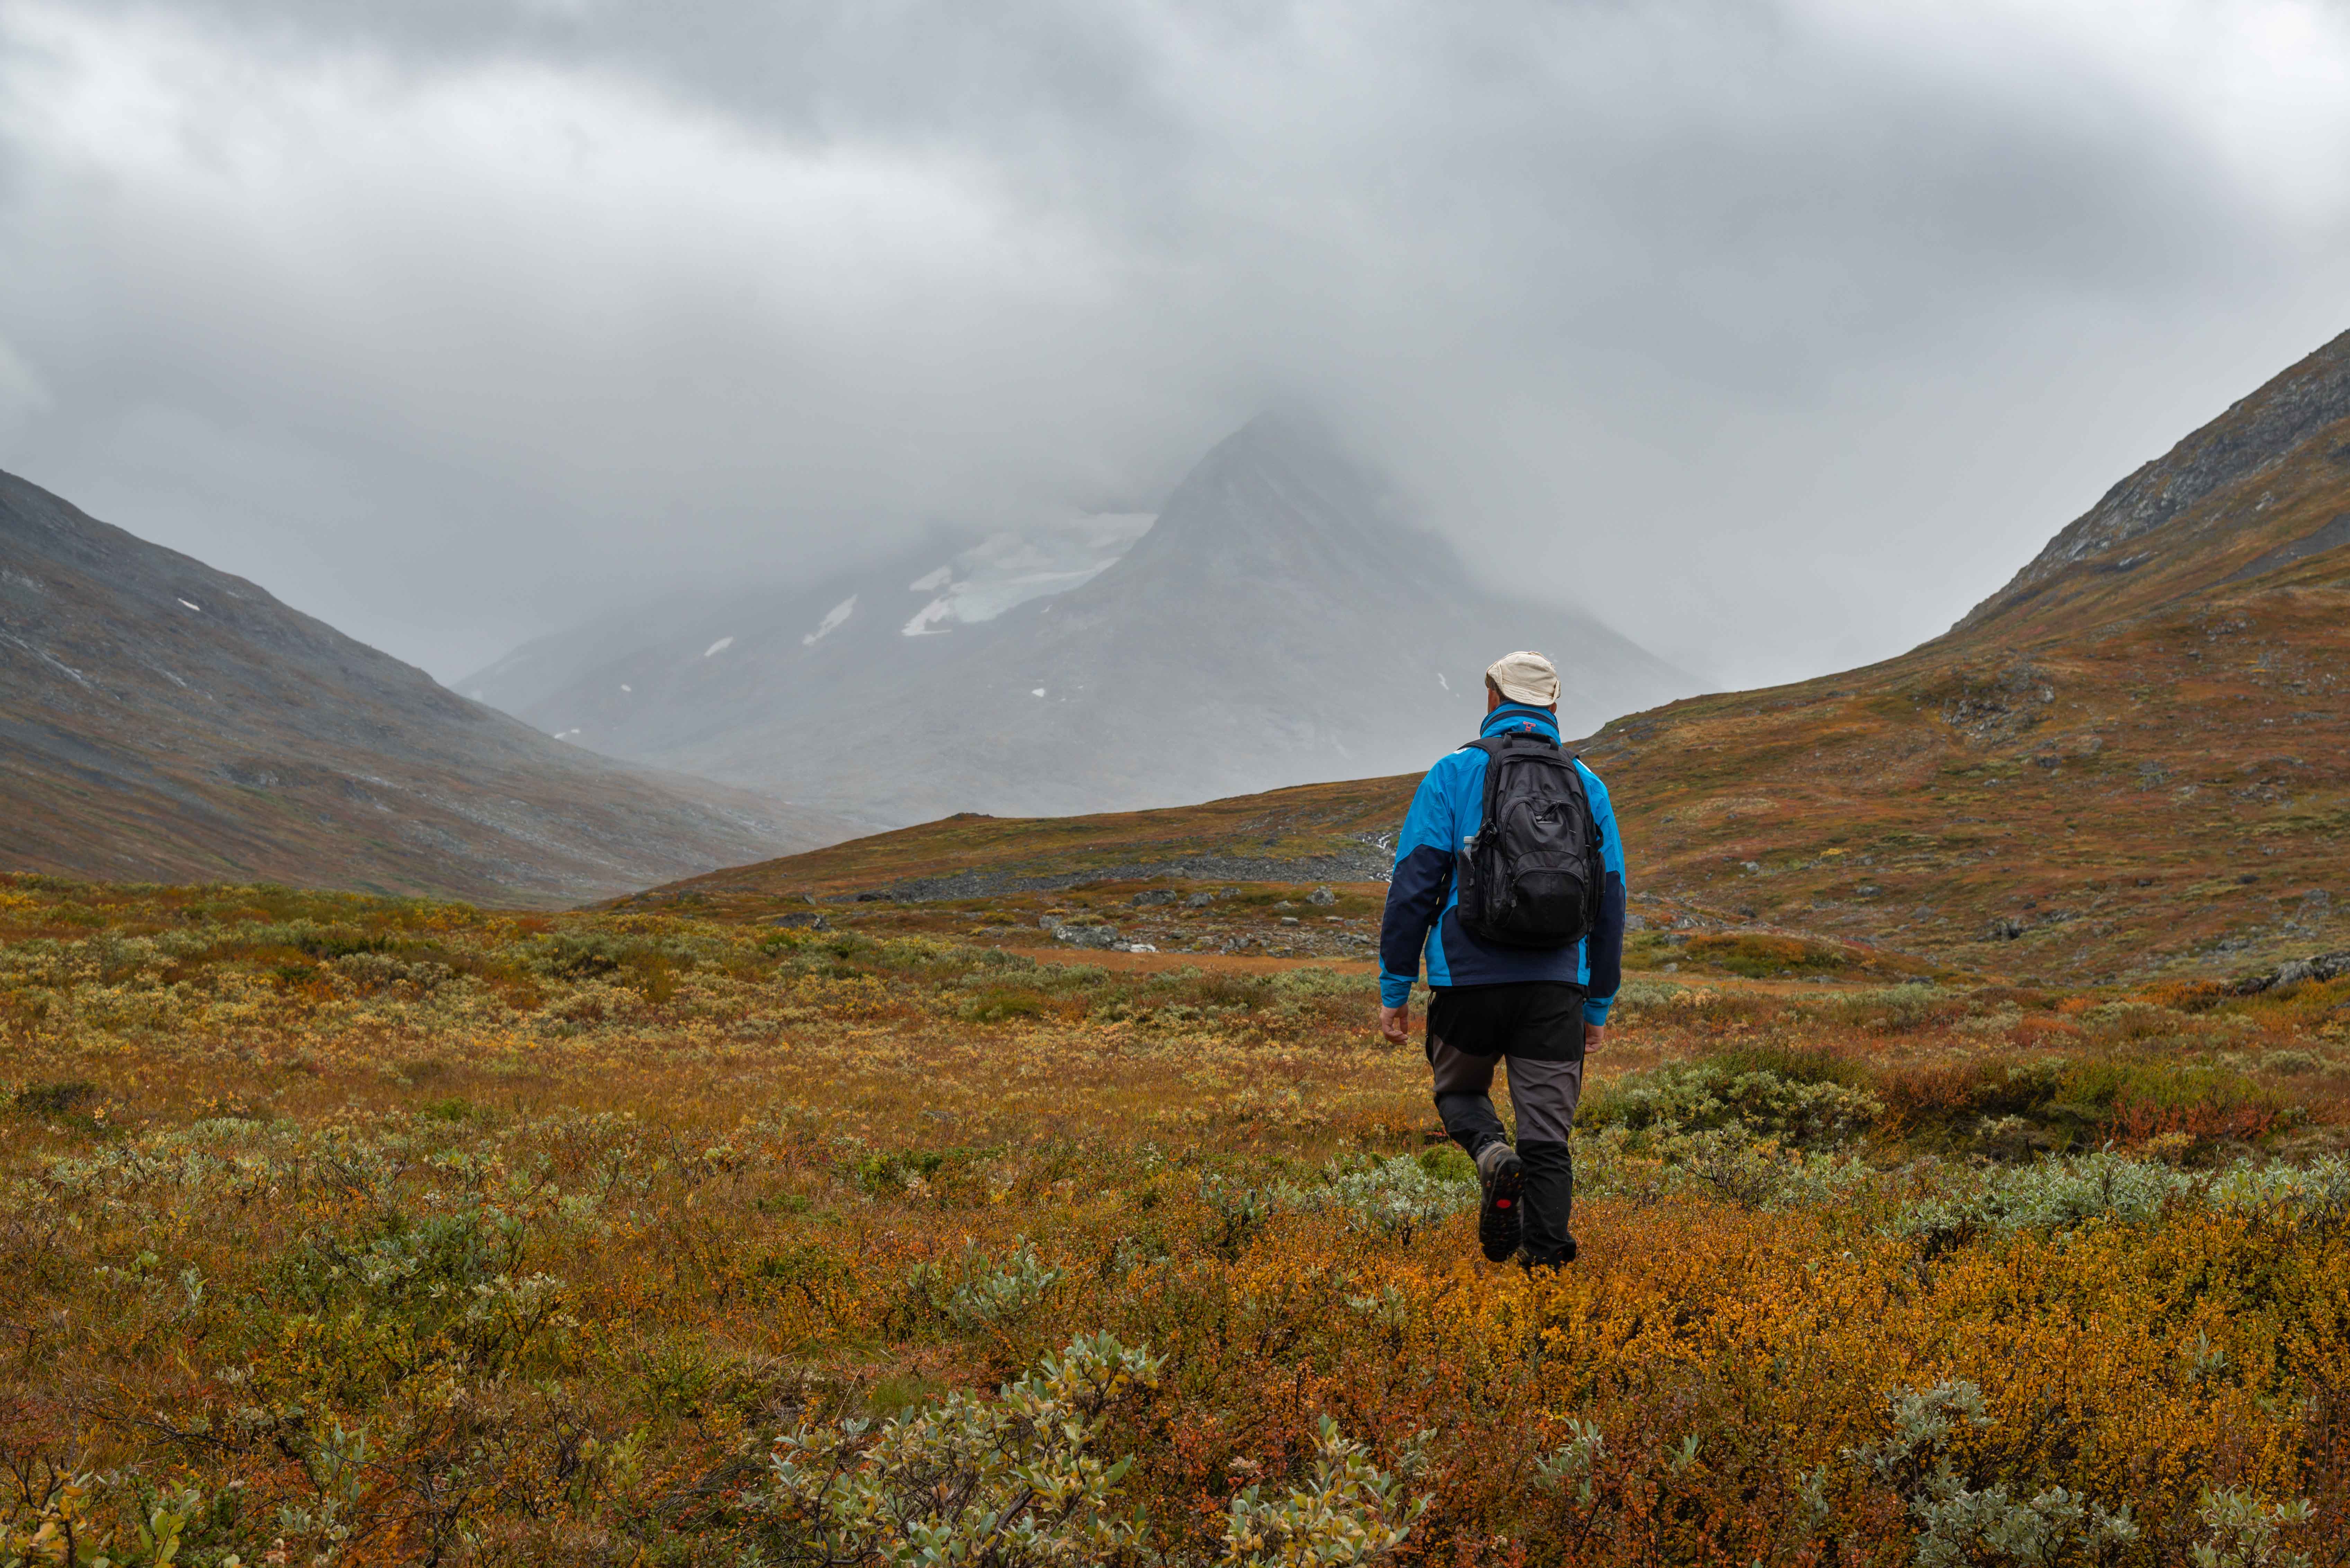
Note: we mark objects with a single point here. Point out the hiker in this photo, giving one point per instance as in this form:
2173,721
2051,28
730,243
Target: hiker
1509,872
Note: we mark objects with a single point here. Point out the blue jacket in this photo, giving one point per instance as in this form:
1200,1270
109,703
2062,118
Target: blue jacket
1423,904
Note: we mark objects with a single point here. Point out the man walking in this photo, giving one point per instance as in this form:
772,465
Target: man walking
1509,874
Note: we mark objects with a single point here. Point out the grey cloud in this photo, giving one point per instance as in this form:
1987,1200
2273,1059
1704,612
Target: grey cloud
1778,333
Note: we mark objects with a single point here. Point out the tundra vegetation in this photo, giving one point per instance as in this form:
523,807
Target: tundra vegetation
347,1230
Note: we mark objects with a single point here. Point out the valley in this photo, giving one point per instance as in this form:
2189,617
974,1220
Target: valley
729,907
1966,1160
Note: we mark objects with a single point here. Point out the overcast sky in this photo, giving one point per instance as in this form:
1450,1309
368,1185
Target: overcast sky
1779,334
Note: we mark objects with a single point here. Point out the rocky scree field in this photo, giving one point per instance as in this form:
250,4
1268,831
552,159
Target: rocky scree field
351,1231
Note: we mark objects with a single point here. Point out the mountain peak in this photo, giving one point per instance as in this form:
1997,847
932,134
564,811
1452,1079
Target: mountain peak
1280,621
1282,497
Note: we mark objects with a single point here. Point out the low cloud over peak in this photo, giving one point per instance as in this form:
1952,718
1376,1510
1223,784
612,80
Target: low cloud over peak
1781,333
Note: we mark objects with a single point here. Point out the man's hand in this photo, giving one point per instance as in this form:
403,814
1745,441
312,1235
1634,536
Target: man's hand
1592,1034
1395,1024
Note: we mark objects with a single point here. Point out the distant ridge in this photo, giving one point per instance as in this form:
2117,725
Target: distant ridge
161,720
1280,621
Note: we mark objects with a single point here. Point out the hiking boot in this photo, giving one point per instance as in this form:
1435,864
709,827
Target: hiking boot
1504,1180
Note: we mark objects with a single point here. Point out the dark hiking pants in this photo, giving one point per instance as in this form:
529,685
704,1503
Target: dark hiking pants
1536,1028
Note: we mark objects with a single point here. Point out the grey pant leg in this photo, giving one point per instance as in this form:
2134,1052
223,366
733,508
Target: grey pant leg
1549,1201
1545,1094
1464,1096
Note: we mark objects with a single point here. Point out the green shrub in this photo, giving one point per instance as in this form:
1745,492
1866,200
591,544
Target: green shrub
1961,1522
2048,1195
1696,1096
2316,1194
1795,1063
1448,1162
1002,1003
893,1170
1897,1009
1349,1511
1399,1197
57,1102
977,1289
2242,1530
1764,957
1007,1479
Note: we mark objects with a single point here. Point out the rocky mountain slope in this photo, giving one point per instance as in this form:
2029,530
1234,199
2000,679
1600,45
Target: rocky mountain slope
161,720
2133,759
1279,622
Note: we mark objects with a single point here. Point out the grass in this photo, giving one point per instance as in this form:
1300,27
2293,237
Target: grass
1304,821
376,1231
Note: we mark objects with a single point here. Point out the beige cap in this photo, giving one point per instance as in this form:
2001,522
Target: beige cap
1526,677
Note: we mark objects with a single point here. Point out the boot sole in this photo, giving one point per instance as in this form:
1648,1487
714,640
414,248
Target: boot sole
1498,1222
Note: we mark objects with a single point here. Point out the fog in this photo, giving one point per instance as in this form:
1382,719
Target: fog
1778,334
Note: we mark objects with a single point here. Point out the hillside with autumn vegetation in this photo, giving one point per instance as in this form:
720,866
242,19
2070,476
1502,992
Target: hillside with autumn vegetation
2134,757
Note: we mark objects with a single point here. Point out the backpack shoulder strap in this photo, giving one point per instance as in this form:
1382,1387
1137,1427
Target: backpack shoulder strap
1493,746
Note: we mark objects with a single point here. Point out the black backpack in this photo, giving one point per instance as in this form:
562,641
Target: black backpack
1530,877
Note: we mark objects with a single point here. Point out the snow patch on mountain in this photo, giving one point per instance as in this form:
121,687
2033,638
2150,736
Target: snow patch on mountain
926,619
1008,570
834,620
